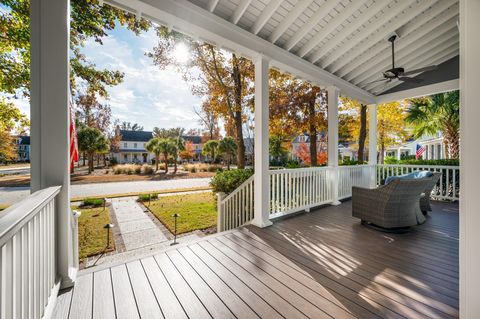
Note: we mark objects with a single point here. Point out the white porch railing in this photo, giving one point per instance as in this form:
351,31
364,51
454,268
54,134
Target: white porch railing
293,190
236,208
27,259
448,188
357,175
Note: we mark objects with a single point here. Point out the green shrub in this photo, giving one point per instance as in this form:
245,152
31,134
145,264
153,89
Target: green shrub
113,161
390,160
147,197
137,169
228,181
292,164
147,169
440,162
93,202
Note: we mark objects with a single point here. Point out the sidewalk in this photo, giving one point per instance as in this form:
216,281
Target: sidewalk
136,232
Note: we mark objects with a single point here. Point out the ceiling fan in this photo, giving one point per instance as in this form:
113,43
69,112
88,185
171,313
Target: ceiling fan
400,73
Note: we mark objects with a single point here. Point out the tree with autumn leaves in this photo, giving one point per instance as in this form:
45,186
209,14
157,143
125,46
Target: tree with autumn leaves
223,79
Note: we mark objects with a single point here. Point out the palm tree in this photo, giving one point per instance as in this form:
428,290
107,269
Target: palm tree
152,146
438,113
210,148
167,148
92,141
178,145
228,148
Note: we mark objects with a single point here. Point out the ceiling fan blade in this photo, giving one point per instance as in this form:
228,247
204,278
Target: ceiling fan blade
421,70
381,80
407,79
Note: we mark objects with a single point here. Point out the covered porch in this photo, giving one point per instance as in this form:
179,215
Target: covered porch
321,264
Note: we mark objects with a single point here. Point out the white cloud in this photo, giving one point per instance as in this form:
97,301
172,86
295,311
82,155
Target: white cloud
148,95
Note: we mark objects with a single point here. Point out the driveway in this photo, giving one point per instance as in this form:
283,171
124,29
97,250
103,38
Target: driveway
11,195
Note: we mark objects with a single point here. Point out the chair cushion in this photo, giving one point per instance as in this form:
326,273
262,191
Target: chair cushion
413,175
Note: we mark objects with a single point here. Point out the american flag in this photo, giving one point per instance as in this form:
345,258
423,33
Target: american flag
420,150
73,139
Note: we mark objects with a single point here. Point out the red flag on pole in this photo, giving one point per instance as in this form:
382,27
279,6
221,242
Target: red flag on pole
73,139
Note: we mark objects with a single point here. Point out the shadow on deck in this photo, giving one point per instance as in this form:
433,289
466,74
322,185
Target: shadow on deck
321,264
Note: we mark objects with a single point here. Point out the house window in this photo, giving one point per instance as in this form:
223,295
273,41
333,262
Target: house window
125,157
125,145
439,151
134,145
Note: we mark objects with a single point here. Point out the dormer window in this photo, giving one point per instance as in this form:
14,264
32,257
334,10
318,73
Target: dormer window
134,145
125,145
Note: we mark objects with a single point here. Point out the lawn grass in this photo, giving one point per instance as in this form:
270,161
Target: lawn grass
197,211
92,236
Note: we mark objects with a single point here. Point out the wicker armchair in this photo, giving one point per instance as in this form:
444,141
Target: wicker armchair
391,206
425,200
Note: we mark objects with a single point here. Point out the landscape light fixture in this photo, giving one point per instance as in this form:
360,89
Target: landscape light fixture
175,216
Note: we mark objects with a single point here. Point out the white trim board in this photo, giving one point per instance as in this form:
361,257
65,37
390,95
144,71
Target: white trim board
420,91
186,17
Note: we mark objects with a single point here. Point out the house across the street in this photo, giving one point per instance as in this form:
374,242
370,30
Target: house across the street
434,148
22,144
132,147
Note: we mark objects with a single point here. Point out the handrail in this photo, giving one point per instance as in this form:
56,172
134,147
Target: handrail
247,181
15,217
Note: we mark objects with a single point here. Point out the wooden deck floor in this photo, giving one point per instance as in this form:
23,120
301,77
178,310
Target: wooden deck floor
322,264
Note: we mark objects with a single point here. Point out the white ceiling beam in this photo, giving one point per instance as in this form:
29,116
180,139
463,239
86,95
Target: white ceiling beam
184,15
357,23
384,62
297,10
266,14
330,27
393,19
422,25
315,19
426,51
444,58
437,57
420,91
240,10
212,4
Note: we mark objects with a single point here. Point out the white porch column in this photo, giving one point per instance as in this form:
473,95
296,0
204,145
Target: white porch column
372,143
261,179
332,117
50,118
469,154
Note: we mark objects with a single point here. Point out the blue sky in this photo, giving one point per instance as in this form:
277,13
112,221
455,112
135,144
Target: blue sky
148,96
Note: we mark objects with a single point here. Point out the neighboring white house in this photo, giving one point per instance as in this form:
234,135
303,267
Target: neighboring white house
132,147
434,148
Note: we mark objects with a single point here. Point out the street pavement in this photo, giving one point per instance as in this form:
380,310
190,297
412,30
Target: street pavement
11,195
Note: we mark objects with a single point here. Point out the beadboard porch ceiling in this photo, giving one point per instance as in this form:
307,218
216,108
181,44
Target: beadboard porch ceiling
348,38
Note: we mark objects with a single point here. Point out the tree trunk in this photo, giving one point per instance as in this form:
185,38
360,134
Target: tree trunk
382,151
157,158
237,79
90,163
363,132
313,133
83,158
174,165
165,155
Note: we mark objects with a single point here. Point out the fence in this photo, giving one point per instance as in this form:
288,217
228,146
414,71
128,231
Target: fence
28,258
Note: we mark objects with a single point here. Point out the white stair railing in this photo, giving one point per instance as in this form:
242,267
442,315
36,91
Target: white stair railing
448,187
236,208
27,256
294,190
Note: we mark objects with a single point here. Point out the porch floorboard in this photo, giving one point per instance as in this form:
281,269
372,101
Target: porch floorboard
321,264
